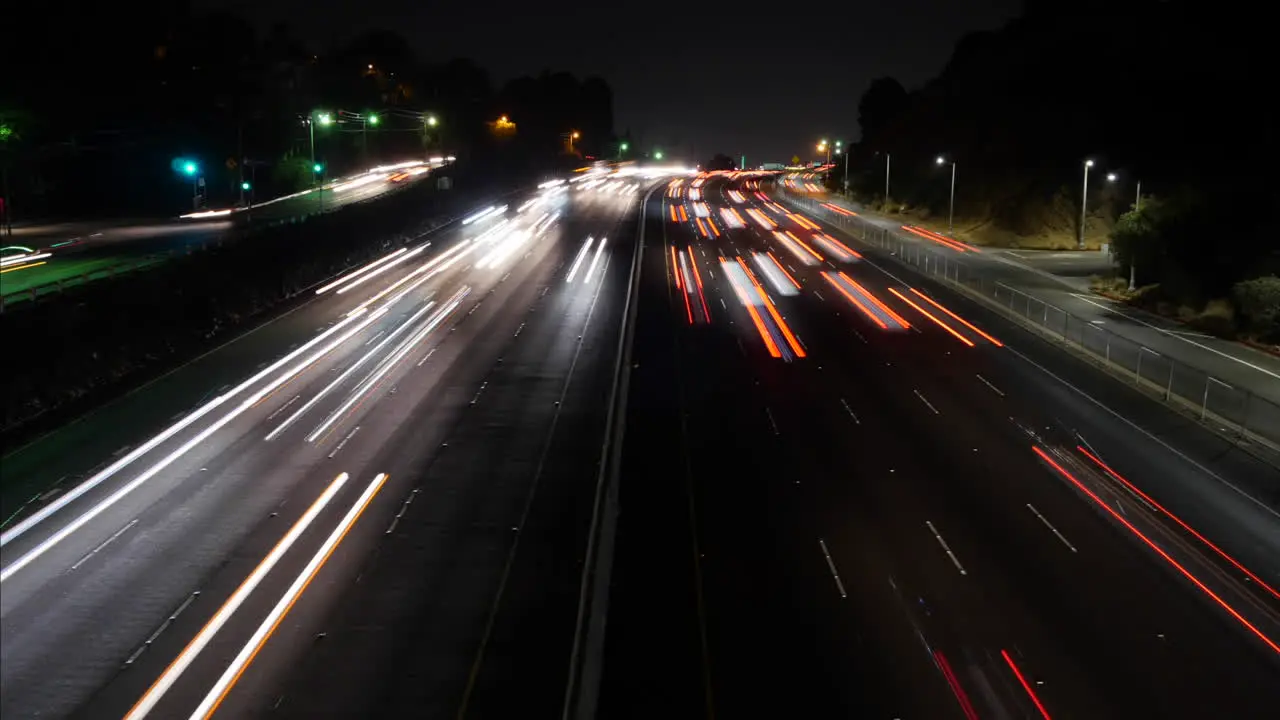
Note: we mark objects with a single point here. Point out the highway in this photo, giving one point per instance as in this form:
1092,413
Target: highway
398,474
75,249
1242,366
849,490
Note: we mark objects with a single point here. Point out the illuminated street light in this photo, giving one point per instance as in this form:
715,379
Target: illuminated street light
373,120
190,168
432,121
951,204
1084,202
326,119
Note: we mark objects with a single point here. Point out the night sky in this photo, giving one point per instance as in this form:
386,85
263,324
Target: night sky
690,78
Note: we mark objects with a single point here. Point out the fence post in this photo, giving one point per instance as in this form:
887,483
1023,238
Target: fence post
1168,388
1109,355
1204,402
1137,370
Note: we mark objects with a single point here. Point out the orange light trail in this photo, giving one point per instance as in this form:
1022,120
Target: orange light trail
784,270
712,227
1178,520
939,236
737,215
940,240
684,216
841,245
966,323
23,267
802,244
697,276
857,303
755,317
702,229
675,267
1178,566
777,317
837,208
803,221
929,315
688,309
673,213
1025,685
897,318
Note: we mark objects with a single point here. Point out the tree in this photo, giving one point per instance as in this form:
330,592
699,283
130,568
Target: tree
721,162
880,108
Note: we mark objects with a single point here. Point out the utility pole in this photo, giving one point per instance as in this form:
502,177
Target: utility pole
886,177
1084,202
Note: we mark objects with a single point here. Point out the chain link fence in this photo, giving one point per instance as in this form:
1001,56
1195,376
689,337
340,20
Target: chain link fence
1241,413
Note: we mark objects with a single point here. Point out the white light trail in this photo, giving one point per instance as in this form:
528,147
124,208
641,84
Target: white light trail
250,649
169,459
348,372
774,274
18,259
360,281
578,260
148,701
106,473
594,260
356,273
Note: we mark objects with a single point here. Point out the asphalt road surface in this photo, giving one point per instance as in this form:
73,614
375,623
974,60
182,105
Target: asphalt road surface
387,519
864,495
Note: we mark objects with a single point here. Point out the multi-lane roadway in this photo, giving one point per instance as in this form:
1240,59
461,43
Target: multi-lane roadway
382,513
848,490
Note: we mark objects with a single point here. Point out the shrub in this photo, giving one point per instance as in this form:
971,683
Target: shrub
1259,303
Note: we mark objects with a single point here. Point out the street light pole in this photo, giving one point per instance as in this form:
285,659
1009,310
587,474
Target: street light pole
311,127
951,205
846,172
886,177
1084,201
1137,200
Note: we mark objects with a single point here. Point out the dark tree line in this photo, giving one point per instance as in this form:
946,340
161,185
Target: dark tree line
95,110
1168,94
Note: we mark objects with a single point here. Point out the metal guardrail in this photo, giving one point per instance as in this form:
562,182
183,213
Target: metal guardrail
1241,413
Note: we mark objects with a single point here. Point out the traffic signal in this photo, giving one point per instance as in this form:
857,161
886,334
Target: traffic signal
373,119
245,185
190,168
317,168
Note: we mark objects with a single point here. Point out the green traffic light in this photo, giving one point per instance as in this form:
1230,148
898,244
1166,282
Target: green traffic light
658,155
244,185
373,119
317,167
190,168
624,147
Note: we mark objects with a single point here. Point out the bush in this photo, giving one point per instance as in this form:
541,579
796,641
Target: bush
1258,301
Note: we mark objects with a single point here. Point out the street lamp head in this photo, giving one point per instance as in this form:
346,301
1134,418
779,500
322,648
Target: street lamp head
940,160
624,147
317,167
657,154
432,121
838,151
839,143
1088,163
1111,177
325,118
245,185
576,134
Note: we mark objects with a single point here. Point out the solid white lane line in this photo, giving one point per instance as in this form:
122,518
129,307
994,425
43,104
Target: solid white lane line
220,689
105,543
994,389
1176,336
849,410
946,548
832,567
1052,529
198,643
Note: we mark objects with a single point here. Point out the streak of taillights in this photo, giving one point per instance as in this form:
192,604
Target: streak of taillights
688,308
938,239
729,266
761,219
782,282
577,261
245,657
673,213
838,209
837,248
806,247
697,276
803,221
966,323
773,311
783,269
932,317
684,216
675,268
1257,580
961,697
1151,544
702,229
856,303
712,227
885,308
940,236
1025,685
